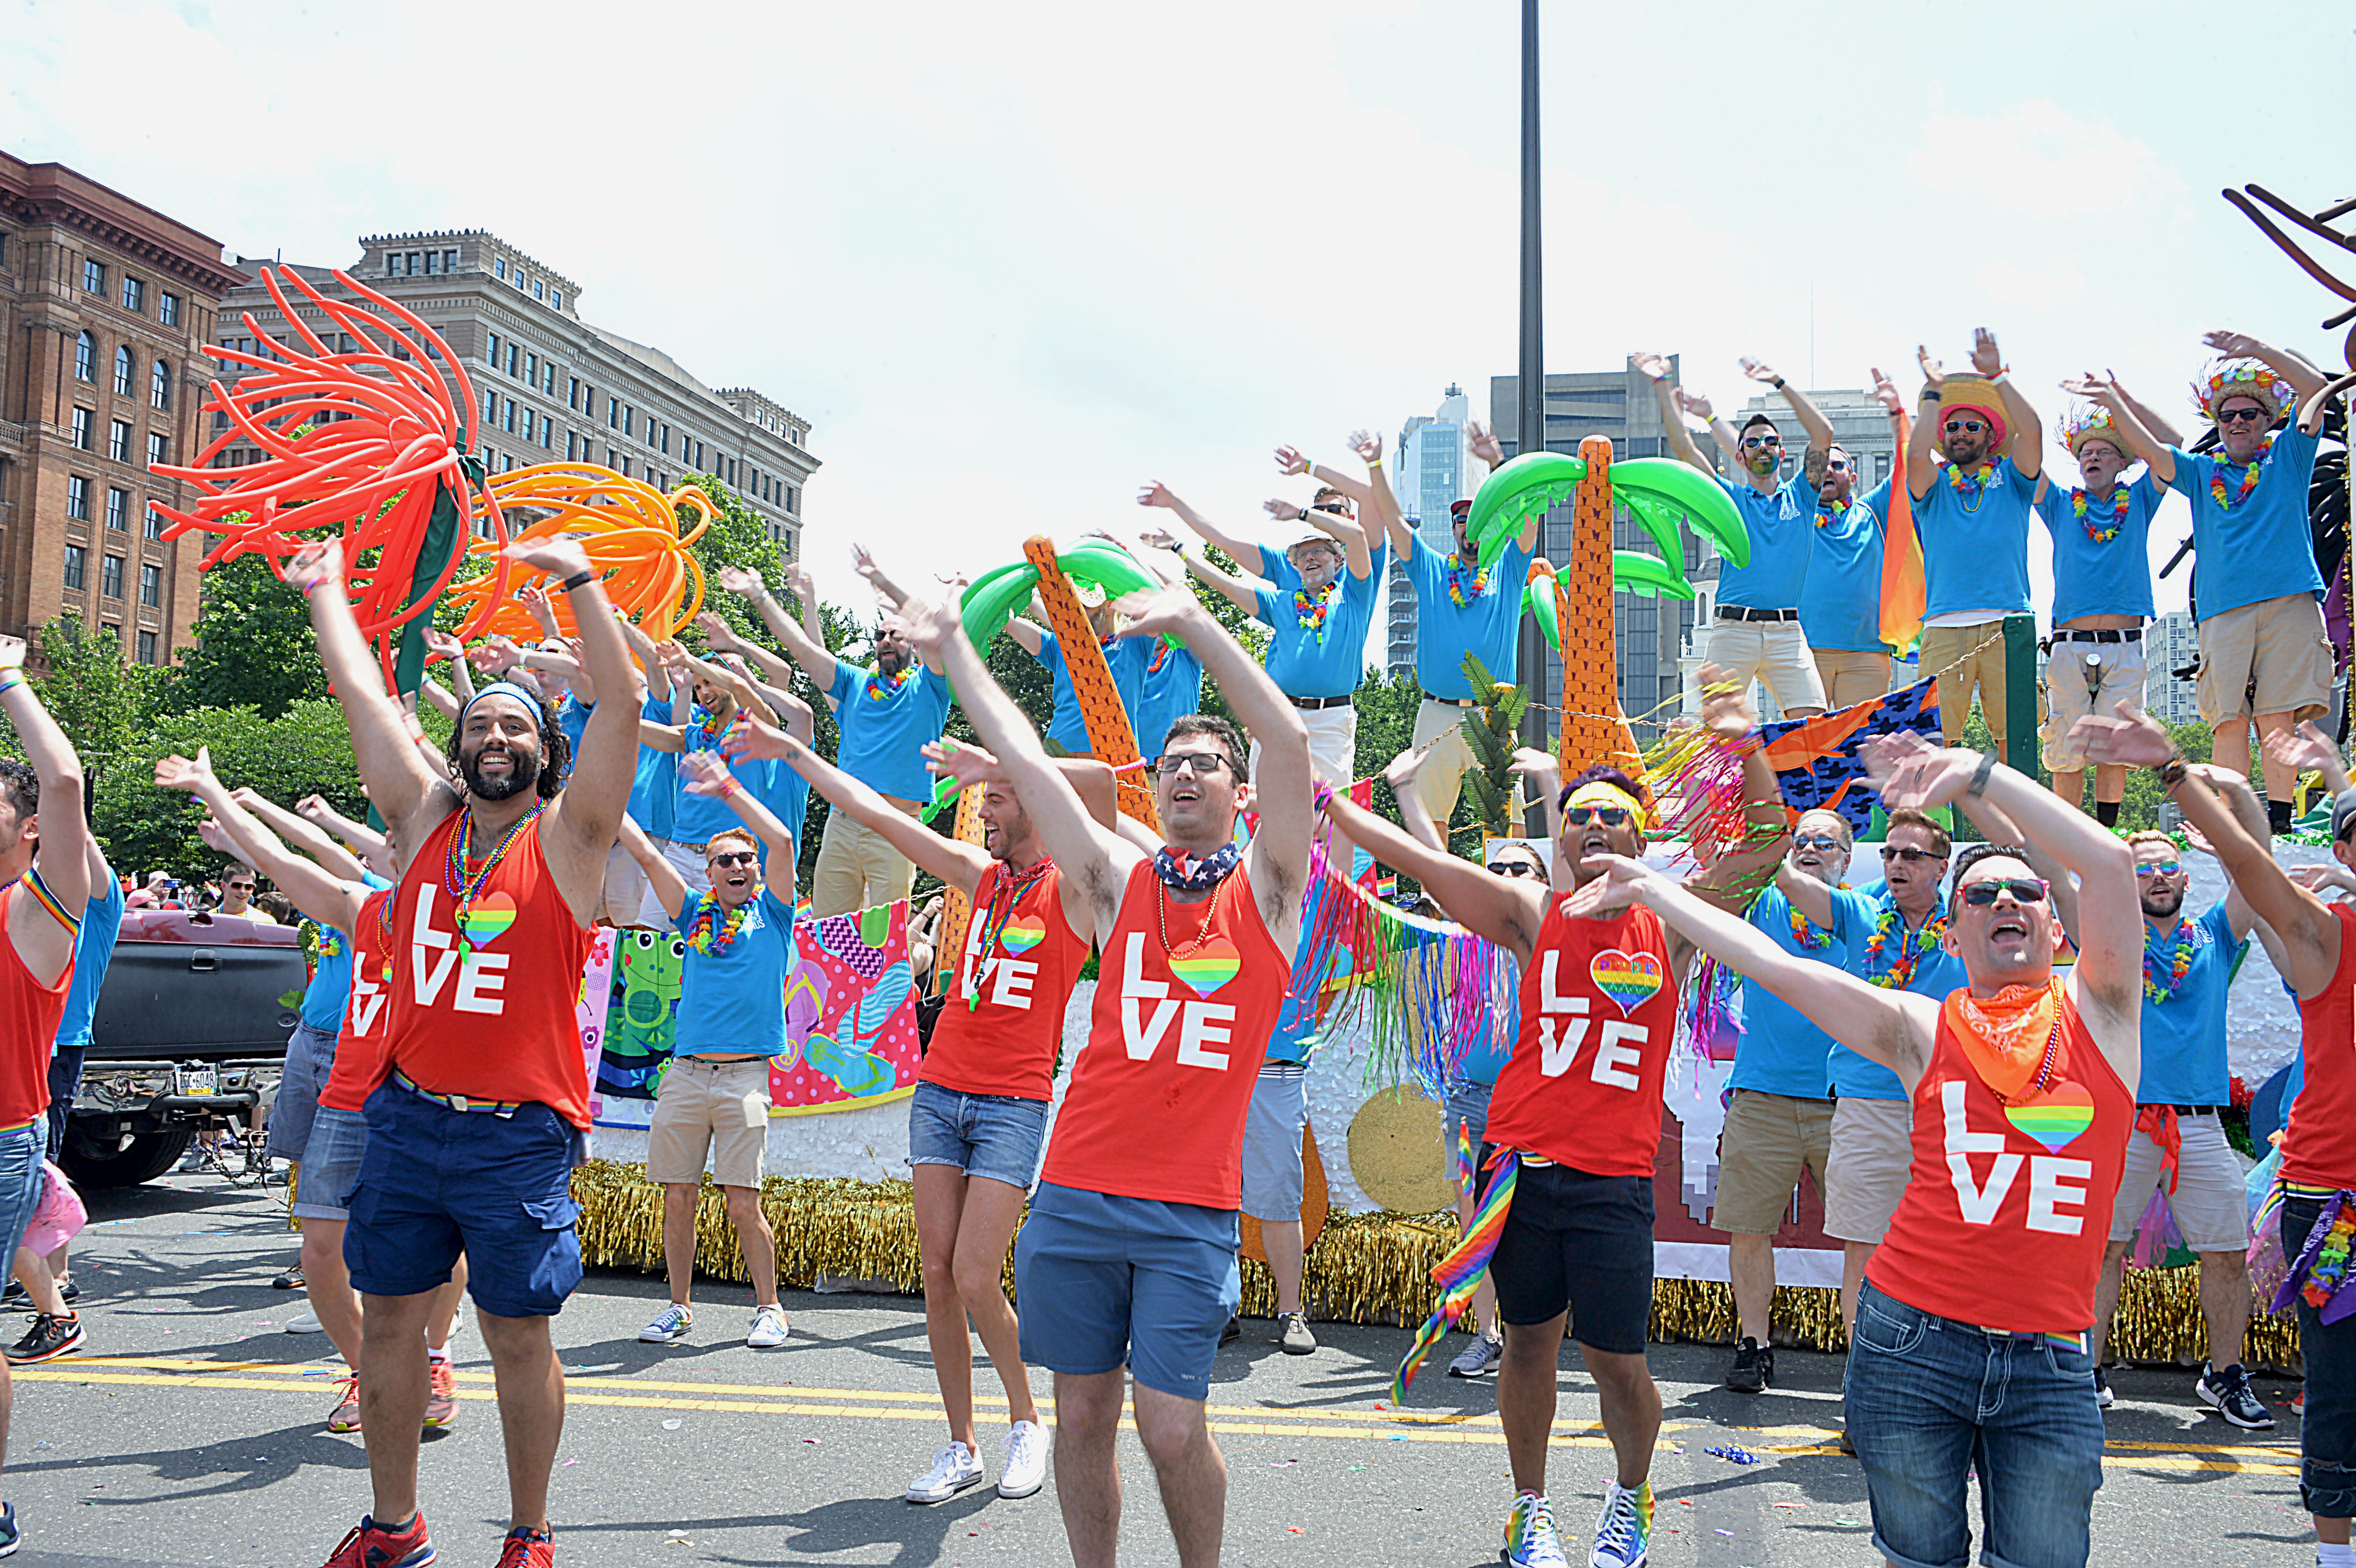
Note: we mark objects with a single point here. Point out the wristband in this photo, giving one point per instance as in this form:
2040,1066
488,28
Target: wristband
1374,463
579,579
1978,786
2002,378
1778,383
1929,395
2172,773
1321,794
729,786
12,678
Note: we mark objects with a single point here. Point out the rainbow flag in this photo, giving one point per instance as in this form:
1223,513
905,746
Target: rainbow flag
1460,1273
1815,760
1903,590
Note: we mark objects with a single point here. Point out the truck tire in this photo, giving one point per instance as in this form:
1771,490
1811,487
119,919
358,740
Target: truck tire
149,1156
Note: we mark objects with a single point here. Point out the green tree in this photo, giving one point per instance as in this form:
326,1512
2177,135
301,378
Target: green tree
305,750
737,537
99,698
253,646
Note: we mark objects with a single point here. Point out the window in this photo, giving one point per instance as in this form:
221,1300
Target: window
665,441
167,308
118,508
151,586
547,432
626,468
531,368
536,292
555,299
572,393
613,415
124,368
159,386
449,260
507,423
75,558
548,377
94,277
610,462
118,442
500,266
110,577
794,499
154,522
85,357
156,444
698,454
572,446
412,264
111,632
513,353
628,414
146,647
134,294
492,358
81,429
650,430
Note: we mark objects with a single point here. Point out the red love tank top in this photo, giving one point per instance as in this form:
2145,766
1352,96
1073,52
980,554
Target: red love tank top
501,1024
2319,1148
29,1015
1583,1087
360,1061
2007,1208
1156,1106
1005,1043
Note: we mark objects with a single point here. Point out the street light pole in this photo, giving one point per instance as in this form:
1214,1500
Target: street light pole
1531,382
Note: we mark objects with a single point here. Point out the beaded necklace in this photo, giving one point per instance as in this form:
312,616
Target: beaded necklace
2180,963
715,928
2228,499
384,934
880,686
1012,887
1912,946
455,882
1456,589
1969,487
1832,514
1310,609
1202,933
2118,508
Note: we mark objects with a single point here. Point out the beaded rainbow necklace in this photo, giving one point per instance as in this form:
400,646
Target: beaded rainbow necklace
465,888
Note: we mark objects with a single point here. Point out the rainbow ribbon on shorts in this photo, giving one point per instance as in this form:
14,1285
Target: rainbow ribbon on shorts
1461,1271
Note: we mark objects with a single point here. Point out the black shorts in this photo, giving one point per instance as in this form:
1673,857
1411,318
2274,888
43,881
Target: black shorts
1583,1243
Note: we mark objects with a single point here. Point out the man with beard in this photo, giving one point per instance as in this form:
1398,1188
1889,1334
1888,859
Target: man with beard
1574,1126
1971,514
1128,1257
1840,603
1758,634
2102,597
2180,1142
886,713
473,1148
2257,593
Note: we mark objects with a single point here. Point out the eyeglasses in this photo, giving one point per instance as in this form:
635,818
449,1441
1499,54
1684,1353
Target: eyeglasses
1763,440
1824,841
2164,869
726,858
2235,416
1968,427
2024,889
1517,867
1892,851
1610,815
1202,764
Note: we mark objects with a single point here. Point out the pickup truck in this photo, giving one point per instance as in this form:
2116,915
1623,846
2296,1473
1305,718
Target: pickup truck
189,1034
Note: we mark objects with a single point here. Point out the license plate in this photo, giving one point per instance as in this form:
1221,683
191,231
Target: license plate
195,1080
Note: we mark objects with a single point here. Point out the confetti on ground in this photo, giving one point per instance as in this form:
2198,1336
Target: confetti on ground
812,1440
1791,1505
1288,1463
1848,1522
672,1425
1294,1530
1728,1533
1733,1453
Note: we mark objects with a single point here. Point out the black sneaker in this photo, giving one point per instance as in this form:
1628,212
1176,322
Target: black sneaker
1755,1367
292,1279
14,1297
2229,1391
2102,1395
1233,1331
46,1339
70,1291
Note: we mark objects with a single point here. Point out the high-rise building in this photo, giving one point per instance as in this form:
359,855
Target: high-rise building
1648,633
550,386
2169,644
104,305
1430,473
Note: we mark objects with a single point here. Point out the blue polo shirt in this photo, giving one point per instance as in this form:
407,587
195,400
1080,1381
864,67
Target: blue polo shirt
572,718
696,817
1975,551
1068,730
1781,1053
101,920
330,990
657,772
1330,661
2184,1036
2109,576
734,1001
1840,605
1782,525
1169,686
2262,548
1483,625
883,728
787,794
1936,973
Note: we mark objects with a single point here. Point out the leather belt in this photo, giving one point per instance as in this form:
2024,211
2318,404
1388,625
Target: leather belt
1745,613
2197,1110
2115,635
1315,704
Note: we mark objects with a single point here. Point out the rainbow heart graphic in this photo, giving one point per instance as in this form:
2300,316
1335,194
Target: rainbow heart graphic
2056,1118
1020,936
487,919
1628,978
1209,966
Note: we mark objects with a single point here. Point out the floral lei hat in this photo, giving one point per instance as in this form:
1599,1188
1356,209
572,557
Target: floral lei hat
2092,421
1974,395
2242,379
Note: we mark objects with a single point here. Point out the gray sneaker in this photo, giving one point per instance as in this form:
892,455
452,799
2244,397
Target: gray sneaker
1481,1356
2229,1391
1296,1339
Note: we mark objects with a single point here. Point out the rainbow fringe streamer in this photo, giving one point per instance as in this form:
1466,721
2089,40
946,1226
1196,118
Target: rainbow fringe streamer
1461,1271
1698,791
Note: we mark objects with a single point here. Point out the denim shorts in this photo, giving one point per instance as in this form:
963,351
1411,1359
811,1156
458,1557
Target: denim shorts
2327,1437
310,1056
1274,1177
22,1180
1099,1279
1929,1397
1468,1108
435,1182
996,1135
331,1165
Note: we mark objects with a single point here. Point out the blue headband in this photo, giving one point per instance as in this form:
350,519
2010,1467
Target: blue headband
502,689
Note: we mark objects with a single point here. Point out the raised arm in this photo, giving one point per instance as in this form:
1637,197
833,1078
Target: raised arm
2028,431
807,651
578,828
719,676
1246,552
2305,379
704,774
62,855
1922,464
1673,402
1507,909
642,650
2152,419
2126,414
338,861
535,601
2234,789
1369,448
1819,429
329,899
365,840
670,888
1996,828
1350,536
722,638
454,654
1236,591
2309,749
958,863
1401,775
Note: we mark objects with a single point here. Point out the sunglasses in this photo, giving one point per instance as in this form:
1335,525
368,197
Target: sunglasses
2165,868
2235,416
1334,507
1891,852
1824,841
1203,765
2024,889
733,858
1838,465
1763,440
1517,867
1610,815
1968,427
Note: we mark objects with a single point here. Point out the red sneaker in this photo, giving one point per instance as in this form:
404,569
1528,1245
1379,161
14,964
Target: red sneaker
370,1546
345,1416
442,1394
528,1548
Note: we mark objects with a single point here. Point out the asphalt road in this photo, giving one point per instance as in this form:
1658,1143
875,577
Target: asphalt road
191,1431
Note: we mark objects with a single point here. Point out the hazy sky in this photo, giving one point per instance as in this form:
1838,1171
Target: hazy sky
1013,260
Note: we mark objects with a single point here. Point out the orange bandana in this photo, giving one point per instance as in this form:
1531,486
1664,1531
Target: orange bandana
2011,1038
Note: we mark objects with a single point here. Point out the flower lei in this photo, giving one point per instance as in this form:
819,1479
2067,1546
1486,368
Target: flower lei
1826,517
711,729
1310,609
1456,589
880,686
2227,500
1970,486
2121,495
1807,933
715,928
1911,946
2180,963
2328,1272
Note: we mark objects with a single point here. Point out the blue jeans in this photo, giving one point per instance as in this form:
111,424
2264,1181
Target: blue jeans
1929,1397
2327,1437
21,1178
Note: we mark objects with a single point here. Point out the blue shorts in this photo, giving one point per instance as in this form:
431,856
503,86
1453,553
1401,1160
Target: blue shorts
1274,1177
435,1182
996,1135
1468,1108
331,1165
1099,1279
65,1078
1929,1397
310,1056
22,1180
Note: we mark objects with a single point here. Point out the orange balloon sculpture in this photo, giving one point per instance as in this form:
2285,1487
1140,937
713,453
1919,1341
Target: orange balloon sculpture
630,529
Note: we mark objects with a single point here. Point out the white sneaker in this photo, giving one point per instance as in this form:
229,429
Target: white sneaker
304,1322
670,1329
955,1468
769,1329
1022,1468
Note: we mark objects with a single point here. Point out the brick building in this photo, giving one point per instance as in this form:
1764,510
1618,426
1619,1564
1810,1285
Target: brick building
104,304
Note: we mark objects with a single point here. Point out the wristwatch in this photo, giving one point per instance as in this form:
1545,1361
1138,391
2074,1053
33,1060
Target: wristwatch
2171,774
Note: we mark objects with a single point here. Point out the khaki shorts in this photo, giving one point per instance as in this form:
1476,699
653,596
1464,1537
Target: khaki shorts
694,870
1441,779
720,1107
626,887
1851,678
857,868
1948,653
1769,1140
1872,1150
2277,644
2070,694
1332,745
2209,1203
1772,653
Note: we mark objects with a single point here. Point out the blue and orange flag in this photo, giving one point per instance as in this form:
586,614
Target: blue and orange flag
1903,590
1815,760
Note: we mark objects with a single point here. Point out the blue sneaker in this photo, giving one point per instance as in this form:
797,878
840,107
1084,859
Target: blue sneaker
1530,1540
1625,1527
9,1537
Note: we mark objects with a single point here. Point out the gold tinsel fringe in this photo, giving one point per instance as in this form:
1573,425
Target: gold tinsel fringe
1362,1268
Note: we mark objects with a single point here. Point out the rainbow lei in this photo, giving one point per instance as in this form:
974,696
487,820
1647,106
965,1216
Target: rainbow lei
2180,963
714,729
880,686
1970,486
1826,518
715,927
1807,933
2228,499
1311,609
1911,946
2328,1272
464,889
1456,590
2105,533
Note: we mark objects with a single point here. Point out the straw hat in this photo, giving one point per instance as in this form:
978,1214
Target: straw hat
1974,395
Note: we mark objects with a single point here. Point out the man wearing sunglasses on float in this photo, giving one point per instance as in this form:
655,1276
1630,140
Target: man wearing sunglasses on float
1972,463
2263,646
1757,634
